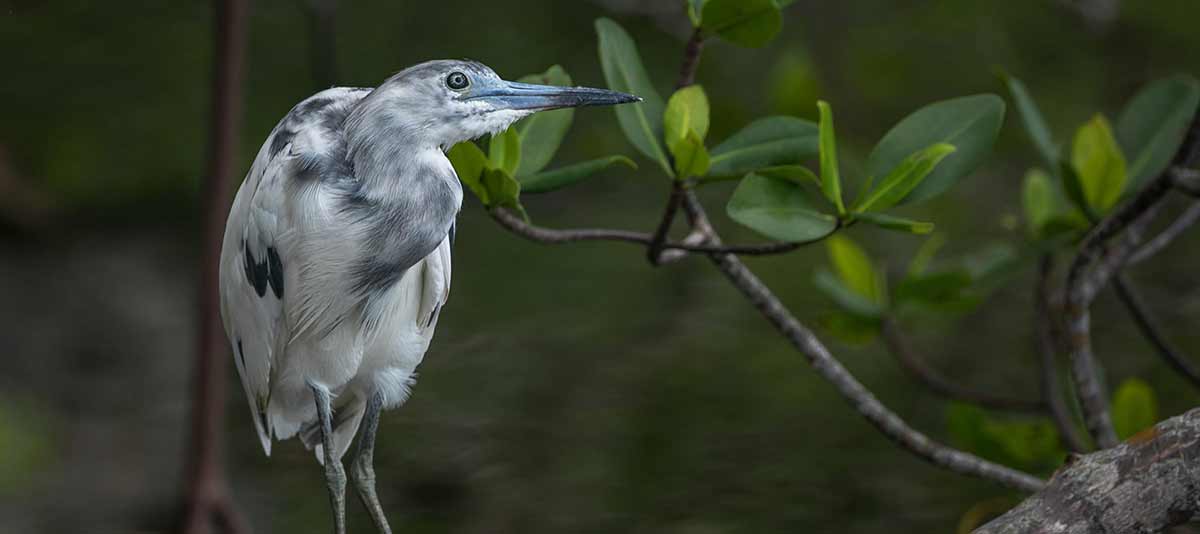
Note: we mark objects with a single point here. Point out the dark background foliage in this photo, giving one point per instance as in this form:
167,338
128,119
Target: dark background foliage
568,389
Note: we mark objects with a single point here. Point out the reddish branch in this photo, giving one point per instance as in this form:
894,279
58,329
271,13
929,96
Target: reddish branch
207,493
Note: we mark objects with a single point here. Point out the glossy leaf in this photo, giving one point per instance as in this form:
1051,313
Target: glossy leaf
1099,165
1134,408
831,180
690,156
854,268
469,162
891,222
623,70
546,181
1035,124
504,151
687,111
1153,124
749,23
846,298
766,142
1037,198
970,124
542,133
905,177
778,209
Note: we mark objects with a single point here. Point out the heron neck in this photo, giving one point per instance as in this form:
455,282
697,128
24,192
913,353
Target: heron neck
393,161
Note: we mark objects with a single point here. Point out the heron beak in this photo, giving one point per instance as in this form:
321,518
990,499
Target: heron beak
527,96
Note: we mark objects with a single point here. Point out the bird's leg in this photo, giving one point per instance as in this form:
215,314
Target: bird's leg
335,474
363,468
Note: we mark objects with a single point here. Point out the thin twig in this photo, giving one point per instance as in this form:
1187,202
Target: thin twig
655,252
691,60
1141,317
1093,266
899,346
207,491
1047,335
552,236
1164,238
1186,180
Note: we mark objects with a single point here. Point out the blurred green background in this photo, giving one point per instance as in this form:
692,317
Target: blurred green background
569,389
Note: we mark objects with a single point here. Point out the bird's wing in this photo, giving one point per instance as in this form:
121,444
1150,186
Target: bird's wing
259,258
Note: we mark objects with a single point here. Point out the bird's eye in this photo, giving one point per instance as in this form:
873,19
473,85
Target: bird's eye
457,81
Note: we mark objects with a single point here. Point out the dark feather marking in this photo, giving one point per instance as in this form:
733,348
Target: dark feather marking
275,272
283,137
241,355
256,271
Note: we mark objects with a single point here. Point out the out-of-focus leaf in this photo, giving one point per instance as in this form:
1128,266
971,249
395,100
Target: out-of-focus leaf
1099,164
847,299
1037,197
623,70
847,327
778,209
766,142
925,254
943,290
687,111
905,177
691,158
504,151
542,133
831,180
970,124
1029,445
854,269
1035,124
27,444
544,182
469,162
1153,124
694,10
992,265
1073,187
1134,408
749,23
891,222
793,173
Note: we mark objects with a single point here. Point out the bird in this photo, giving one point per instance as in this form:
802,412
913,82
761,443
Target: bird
336,259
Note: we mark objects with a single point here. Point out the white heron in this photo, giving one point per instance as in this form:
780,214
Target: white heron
336,257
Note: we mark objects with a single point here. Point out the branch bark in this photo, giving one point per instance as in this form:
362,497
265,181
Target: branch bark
1146,484
899,346
207,494
1048,334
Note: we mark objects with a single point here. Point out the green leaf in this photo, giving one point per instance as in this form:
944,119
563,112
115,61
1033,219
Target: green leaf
847,327
970,124
847,299
766,142
687,111
905,177
1098,163
1152,125
691,158
1030,445
504,151
925,254
1035,124
469,162
891,222
749,23
778,209
1037,197
623,70
854,268
694,9
1073,187
544,182
831,180
1134,408
542,133
798,174
503,190
944,289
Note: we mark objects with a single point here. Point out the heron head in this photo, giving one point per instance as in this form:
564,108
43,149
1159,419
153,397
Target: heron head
449,101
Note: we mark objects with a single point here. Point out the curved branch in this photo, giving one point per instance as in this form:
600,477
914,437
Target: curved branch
552,236
1164,238
1048,337
896,343
1096,263
1146,484
1141,317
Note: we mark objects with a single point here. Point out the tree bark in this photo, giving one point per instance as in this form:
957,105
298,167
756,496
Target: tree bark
1146,484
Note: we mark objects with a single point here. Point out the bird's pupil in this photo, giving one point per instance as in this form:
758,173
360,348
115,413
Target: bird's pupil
456,80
